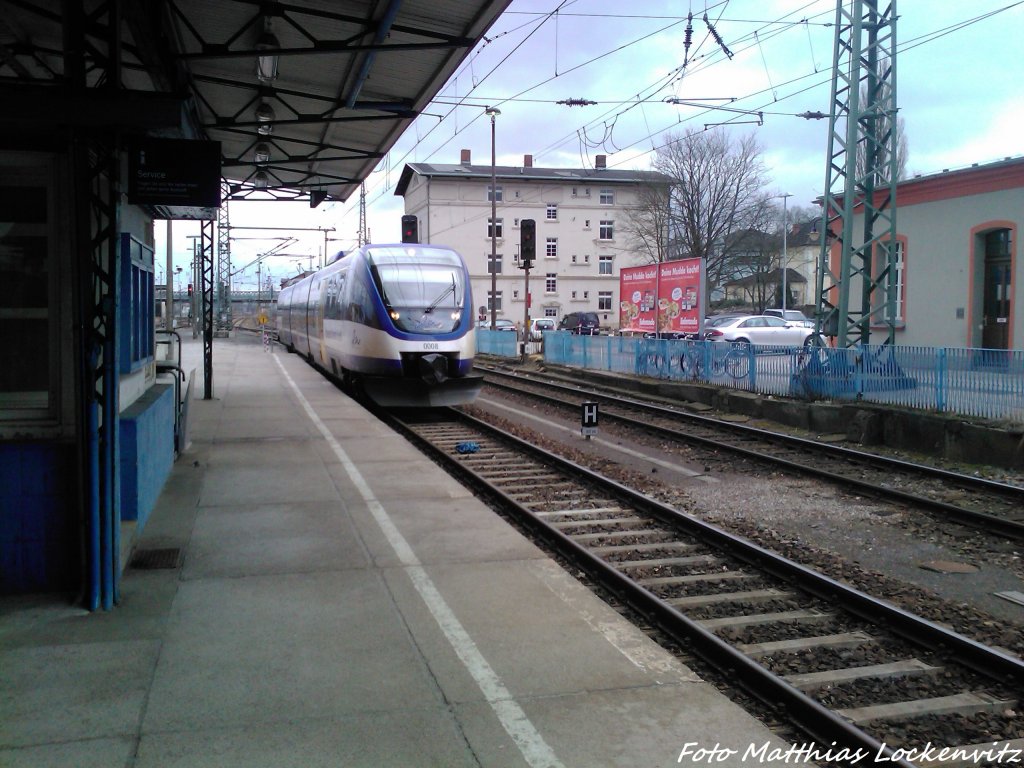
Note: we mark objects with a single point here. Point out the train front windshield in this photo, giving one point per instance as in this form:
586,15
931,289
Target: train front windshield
424,289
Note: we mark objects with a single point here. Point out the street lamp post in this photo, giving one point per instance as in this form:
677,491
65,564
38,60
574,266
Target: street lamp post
785,231
170,304
493,112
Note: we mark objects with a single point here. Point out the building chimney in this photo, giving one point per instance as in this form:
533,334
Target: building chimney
466,155
600,161
527,161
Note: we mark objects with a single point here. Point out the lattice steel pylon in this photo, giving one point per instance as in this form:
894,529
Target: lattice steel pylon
362,215
865,55
224,319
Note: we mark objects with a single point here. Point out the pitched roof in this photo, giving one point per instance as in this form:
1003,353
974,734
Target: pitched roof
594,176
768,278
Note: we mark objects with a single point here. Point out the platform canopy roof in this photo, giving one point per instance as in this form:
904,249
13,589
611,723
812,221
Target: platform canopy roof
304,96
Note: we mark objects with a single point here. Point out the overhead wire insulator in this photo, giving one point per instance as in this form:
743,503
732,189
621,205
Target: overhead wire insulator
688,40
577,102
718,38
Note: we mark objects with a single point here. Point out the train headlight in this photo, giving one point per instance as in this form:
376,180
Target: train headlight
395,315
456,316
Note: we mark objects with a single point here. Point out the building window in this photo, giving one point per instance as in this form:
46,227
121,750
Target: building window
552,214
900,287
607,230
607,197
494,301
494,194
575,192
497,228
136,337
515,295
878,298
586,224
604,265
574,295
551,283
586,295
550,311
31,374
551,249
494,265
574,258
586,258
604,300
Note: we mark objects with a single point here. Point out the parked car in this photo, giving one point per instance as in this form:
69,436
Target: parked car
647,334
539,325
673,335
586,323
501,324
756,329
794,316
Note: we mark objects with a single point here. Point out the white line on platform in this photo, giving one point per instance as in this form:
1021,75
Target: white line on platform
531,744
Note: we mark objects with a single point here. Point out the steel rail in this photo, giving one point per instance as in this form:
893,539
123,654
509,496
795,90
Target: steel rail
1009,528
814,718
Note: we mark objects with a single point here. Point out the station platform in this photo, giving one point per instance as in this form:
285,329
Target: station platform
337,600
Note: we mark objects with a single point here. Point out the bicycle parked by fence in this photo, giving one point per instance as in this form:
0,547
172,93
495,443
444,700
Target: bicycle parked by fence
698,356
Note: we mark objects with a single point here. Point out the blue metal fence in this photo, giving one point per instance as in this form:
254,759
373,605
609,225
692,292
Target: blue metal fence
498,343
973,382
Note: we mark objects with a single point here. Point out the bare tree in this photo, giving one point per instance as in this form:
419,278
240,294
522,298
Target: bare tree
717,188
647,224
883,125
755,256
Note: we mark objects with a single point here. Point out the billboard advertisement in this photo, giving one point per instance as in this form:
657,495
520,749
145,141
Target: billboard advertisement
664,297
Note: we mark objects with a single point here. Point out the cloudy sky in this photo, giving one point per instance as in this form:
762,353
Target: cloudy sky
960,91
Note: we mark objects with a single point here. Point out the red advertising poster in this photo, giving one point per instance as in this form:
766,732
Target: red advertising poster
636,298
674,295
679,296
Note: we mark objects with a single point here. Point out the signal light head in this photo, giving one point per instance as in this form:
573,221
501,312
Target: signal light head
410,229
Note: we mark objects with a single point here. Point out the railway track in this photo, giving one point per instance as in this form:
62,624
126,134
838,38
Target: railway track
994,507
848,669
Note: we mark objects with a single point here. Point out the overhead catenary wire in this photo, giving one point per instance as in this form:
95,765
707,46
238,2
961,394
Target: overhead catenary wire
777,26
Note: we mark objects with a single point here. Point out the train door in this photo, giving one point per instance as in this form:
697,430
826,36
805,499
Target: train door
307,344
314,318
321,342
996,329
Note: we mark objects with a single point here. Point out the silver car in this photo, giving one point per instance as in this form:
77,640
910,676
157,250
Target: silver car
539,325
757,329
793,316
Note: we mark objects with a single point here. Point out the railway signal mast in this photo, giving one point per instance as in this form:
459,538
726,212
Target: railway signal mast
363,237
862,123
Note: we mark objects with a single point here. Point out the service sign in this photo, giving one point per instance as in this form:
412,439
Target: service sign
174,172
665,299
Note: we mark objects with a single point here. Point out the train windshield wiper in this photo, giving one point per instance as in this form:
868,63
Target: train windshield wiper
433,305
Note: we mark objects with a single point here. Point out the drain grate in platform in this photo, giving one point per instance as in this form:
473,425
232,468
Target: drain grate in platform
151,559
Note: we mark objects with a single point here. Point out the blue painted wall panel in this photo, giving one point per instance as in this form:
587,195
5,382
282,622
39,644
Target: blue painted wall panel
38,518
147,451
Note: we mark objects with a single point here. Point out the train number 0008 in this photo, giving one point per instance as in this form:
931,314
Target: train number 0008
431,345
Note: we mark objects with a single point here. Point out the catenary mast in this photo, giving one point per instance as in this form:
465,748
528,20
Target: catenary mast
856,288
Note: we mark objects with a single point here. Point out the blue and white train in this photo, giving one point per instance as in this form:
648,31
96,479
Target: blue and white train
393,322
